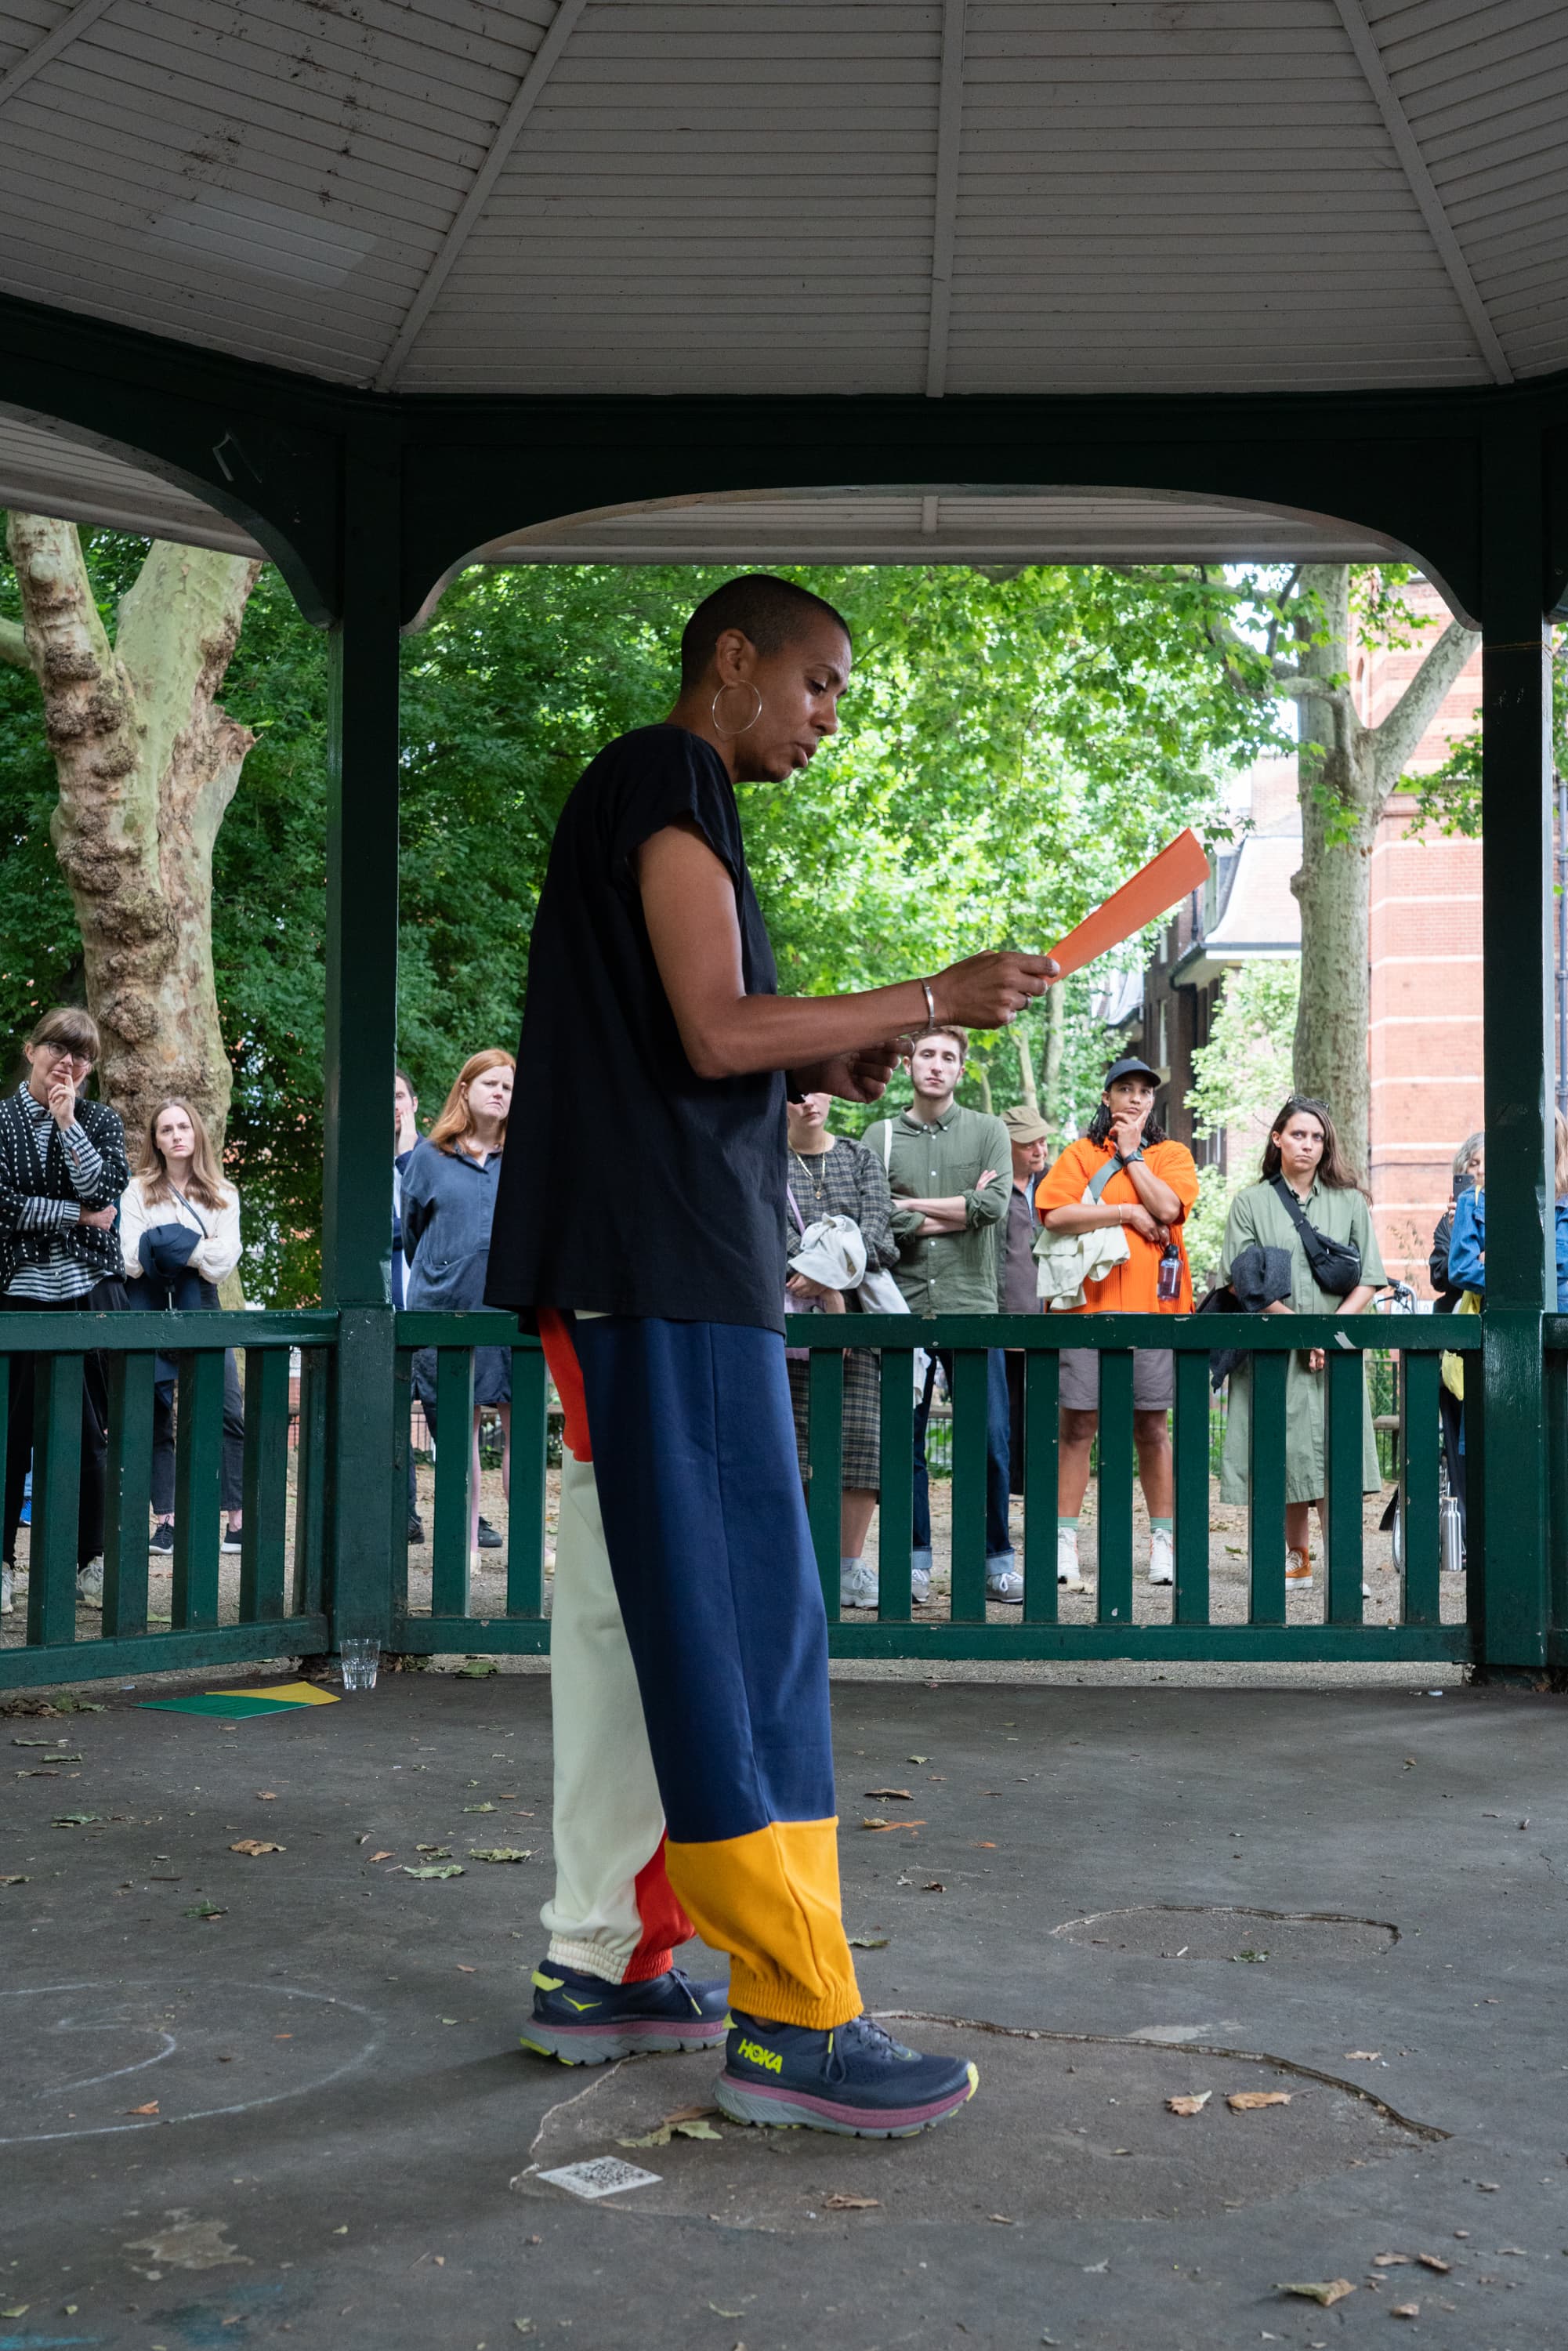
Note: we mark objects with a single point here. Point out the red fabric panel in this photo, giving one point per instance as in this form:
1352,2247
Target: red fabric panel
665,1922
554,1338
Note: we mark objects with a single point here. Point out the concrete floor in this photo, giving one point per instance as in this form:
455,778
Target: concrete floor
304,2119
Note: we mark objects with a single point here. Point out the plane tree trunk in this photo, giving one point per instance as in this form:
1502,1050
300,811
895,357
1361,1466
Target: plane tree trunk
147,764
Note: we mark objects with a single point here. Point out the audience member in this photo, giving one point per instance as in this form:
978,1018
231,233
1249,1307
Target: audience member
448,1202
1468,1174
1017,1289
944,1163
179,1238
832,1176
1306,1183
1125,1172
62,1171
405,1134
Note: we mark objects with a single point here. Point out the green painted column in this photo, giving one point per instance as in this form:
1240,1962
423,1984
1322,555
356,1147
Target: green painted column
1506,1451
361,1036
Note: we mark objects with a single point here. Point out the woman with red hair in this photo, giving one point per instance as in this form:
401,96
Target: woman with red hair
448,1202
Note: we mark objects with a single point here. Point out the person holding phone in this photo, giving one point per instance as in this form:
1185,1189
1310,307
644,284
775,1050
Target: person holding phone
62,1170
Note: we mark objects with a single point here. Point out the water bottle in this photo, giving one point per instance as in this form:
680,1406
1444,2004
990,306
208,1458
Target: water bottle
1451,1536
1169,1288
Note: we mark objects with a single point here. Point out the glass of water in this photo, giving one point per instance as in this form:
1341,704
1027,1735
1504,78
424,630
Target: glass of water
359,1657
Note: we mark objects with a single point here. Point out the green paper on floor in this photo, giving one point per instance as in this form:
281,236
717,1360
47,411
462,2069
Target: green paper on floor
219,1702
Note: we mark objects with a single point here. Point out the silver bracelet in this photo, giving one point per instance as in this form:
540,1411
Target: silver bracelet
930,1003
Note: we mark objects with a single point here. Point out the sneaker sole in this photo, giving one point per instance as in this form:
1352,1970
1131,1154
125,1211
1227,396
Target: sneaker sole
599,2044
756,2101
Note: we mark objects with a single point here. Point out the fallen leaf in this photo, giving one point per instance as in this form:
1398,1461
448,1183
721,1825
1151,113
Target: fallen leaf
16,1880
1193,2106
1435,2262
206,1910
1361,2056
868,1942
1334,2291
917,1759
478,1808
150,2108
1005,2220
984,1846
719,2312
934,1886
661,2133
842,2202
266,1795
478,1669
1247,2101
436,1852
903,1794
1406,2310
254,1845
1487,2187
447,1869
498,1852
462,1970
1390,2261
76,1820
15,2309
873,1821
385,1856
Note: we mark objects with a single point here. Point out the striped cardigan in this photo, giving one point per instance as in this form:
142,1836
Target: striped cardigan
36,1173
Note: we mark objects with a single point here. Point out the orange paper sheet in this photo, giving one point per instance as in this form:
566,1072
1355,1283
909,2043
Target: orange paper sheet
1163,883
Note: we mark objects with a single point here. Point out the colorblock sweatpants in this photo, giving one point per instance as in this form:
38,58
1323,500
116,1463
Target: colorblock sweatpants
693,1751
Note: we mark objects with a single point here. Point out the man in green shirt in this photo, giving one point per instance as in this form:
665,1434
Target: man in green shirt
948,1168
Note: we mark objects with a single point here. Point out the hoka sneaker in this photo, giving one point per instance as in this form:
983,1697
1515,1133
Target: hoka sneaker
1162,1557
585,2019
854,2079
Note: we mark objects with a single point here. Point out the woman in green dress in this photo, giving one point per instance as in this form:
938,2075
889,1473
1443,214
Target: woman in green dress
1305,1150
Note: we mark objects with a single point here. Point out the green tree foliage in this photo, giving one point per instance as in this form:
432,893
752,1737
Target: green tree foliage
1243,1074
1010,749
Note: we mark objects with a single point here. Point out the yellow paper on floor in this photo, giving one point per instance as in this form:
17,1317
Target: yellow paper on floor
290,1693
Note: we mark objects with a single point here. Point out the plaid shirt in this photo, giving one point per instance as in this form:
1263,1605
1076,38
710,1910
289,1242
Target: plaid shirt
46,1178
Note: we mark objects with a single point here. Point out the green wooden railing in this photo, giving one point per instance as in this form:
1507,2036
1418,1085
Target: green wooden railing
282,1601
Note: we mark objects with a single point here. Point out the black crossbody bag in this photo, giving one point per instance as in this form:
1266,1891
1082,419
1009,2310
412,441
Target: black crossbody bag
1336,1265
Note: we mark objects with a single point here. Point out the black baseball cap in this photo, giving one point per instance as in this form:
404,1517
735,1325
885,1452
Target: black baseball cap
1130,1066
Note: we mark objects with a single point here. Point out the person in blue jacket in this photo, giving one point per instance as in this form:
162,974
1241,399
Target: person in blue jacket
1468,1248
447,1199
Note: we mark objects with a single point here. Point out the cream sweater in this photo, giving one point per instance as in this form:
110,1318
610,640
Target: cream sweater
214,1257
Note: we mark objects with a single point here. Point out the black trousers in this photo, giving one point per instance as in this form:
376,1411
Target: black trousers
1451,1413
107,1296
163,1442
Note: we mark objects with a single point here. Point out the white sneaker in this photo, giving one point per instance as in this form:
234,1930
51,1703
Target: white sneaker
89,1585
6,1602
1162,1557
920,1578
1067,1574
857,1584
1007,1584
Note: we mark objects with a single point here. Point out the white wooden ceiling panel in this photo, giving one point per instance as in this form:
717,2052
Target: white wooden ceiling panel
42,473
679,195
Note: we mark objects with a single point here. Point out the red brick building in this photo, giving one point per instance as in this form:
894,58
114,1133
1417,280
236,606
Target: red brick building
1424,1044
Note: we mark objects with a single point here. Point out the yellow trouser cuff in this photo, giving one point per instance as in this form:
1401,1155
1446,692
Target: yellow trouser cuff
770,1899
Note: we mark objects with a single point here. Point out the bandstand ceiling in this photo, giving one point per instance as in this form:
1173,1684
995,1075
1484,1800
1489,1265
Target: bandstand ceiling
796,197
803,195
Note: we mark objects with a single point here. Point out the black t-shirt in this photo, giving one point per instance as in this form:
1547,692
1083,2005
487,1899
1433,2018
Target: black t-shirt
630,1185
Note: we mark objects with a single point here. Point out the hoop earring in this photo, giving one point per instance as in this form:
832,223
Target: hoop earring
729,733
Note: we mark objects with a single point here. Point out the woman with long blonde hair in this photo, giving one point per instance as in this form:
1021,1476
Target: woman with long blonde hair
448,1202
180,1236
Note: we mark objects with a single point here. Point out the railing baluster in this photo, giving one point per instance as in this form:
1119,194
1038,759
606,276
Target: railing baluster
526,1508
970,1380
1265,1512
1554,1414
403,1442
1041,1436
449,1565
127,1493
896,1490
1420,1440
1115,1436
310,1487
1191,1449
265,1489
56,1475
198,1464
1345,1378
825,1452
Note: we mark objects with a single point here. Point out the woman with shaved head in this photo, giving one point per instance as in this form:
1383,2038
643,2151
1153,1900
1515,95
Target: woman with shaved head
694,1771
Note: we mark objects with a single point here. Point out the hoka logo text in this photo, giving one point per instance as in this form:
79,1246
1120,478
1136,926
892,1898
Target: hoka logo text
769,2058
